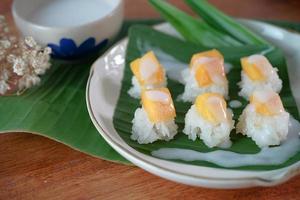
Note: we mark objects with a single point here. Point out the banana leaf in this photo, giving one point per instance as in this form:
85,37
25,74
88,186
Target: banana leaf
57,110
292,26
143,39
25,112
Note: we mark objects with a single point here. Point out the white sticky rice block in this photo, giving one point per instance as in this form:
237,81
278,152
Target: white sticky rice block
212,135
144,131
248,86
264,130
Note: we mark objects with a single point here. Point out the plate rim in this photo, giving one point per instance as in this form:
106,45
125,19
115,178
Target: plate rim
283,173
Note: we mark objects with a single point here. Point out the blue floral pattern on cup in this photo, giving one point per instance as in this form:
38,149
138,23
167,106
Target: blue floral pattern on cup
67,48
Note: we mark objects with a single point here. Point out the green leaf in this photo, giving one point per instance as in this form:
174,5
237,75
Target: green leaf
224,23
38,106
192,29
143,39
57,109
292,26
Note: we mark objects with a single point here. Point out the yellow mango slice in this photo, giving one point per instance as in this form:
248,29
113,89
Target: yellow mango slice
208,68
158,105
212,107
206,54
253,70
148,70
266,102
203,77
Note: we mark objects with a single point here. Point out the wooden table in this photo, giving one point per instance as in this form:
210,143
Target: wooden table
33,167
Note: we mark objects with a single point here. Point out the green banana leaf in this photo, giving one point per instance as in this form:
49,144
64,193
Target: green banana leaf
38,111
56,108
292,26
143,39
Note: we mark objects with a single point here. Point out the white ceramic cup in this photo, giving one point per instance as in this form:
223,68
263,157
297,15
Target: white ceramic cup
71,28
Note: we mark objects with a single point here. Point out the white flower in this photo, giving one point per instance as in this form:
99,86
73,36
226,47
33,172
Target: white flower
4,87
47,51
28,81
40,64
19,67
41,69
10,58
5,44
22,60
4,75
29,41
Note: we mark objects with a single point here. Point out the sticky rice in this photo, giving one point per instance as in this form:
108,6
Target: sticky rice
155,119
210,120
264,119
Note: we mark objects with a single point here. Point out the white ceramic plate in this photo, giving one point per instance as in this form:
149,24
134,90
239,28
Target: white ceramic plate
102,93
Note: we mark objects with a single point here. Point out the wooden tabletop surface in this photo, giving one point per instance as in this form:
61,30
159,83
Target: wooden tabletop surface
33,167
